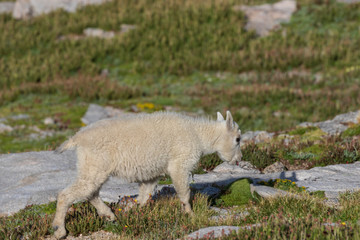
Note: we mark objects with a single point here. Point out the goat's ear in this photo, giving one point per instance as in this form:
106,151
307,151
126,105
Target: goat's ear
220,117
229,121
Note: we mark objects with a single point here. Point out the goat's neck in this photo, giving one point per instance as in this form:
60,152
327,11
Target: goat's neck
208,134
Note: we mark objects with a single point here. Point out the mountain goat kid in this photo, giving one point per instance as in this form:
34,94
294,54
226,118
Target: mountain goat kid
141,148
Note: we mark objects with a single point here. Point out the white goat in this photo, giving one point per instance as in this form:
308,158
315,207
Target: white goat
141,148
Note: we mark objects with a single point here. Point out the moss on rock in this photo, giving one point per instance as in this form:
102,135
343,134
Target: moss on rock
237,194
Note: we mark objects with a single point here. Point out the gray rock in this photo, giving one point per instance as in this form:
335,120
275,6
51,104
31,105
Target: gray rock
37,177
20,117
256,137
243,167
331,127
307,124
5,128
94,113
25,9
114,112
248,136
275,167
263,136
126,28
217,231
337,125
39,133
49,121
212,232
348,1
266,192
351,117
227,213
97,32
6,7
266,17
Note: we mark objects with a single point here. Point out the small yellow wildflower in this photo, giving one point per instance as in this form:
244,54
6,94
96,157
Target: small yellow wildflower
126,226
343,223
120,209
135,200
146,105
353,68
293,183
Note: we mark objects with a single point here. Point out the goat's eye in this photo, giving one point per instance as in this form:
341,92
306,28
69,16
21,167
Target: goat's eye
238,140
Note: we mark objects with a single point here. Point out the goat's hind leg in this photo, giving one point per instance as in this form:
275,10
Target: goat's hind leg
101,208
82,189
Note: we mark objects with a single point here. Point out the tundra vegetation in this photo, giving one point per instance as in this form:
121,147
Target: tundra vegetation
306,71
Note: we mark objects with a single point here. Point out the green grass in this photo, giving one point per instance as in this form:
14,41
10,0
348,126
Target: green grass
278,218
189,55
303,154
352,131
67,115
302,130
237,194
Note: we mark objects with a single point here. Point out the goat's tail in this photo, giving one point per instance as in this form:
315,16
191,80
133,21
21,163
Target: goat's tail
69,144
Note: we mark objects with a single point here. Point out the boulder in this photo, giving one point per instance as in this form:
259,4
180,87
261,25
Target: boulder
275,167
5,128
6,7
337,125
25,9
264,18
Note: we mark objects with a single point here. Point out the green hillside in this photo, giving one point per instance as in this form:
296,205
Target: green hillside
189,55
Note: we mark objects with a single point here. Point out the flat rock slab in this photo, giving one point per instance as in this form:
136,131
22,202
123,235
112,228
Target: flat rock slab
30,8
37,177
332,179
217,231
266,17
